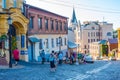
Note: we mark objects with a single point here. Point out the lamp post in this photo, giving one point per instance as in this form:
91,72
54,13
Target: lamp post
9,34
59,44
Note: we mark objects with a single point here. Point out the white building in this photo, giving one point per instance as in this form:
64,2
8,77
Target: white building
94,31
95,50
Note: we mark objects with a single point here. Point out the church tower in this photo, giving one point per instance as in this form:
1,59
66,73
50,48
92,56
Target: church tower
73,22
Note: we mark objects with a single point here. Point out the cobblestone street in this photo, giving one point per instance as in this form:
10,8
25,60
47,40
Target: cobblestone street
100,70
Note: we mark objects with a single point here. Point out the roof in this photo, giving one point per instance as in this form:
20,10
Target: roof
74,19
112,41
72,45
30,6
34,39
104,42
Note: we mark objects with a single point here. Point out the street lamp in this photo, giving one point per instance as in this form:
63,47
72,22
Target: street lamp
9,34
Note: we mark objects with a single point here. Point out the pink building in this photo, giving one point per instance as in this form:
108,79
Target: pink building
46,31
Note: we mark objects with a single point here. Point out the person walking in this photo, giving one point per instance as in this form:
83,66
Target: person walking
52,62
43,56
60,56
16,55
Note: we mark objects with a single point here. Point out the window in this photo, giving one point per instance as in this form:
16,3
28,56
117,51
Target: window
40,44
97,39
47,46
94,34
31,22
40,23
91,40
85,46
56,41
52,41
88,34
61,42
14,3
65,26
60,26
88,40
91,34
93,28
3,3
65,41
56,25
46,24
52,24
109,34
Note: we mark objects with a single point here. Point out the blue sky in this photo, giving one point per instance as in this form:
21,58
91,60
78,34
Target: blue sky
86,10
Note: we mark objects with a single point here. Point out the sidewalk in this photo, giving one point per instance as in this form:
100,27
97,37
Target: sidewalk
13,66
22,64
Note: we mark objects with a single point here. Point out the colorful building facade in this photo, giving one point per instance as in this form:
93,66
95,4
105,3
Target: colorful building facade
13,9
118,30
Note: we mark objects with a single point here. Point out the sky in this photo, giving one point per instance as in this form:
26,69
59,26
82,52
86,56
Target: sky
86,10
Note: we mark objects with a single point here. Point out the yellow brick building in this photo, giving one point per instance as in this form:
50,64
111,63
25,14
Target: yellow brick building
19,27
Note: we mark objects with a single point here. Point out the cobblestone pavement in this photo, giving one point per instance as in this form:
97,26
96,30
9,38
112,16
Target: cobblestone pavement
100,70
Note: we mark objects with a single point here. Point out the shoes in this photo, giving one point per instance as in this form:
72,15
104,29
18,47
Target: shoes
16,64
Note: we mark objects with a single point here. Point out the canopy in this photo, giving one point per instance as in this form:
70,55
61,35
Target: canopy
34,39
72,45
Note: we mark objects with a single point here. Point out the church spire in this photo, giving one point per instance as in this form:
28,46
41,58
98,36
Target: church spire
74,19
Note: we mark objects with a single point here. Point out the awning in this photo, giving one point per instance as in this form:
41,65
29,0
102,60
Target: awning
72,45
34,39
104,42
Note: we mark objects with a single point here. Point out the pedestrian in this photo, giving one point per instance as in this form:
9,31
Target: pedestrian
52,62
79,57
60,56
16,56
43,56
71,59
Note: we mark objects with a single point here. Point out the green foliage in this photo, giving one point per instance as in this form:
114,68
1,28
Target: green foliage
104,50
3,37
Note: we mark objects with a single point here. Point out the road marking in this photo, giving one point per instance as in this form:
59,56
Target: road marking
88,73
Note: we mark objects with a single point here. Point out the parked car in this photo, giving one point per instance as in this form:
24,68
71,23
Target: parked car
89,59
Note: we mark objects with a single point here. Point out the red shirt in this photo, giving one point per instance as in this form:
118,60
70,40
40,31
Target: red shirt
16,54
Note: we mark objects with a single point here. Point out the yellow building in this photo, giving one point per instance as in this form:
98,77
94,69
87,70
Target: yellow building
13,9
118,43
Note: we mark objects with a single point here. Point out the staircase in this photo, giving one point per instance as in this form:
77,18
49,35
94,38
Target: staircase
3,61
